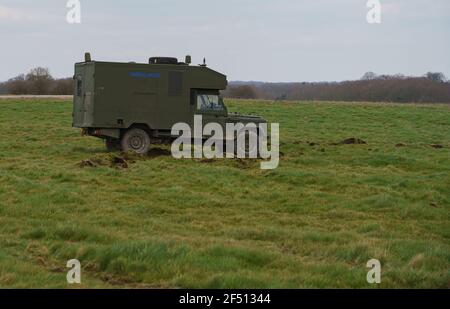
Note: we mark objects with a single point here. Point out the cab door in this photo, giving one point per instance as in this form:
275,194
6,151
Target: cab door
209,105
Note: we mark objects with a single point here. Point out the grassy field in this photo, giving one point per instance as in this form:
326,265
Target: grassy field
313,222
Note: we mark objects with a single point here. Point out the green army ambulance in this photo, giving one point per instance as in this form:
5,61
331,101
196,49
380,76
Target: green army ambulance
129,105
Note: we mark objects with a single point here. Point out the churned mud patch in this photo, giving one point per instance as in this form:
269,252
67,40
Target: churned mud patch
351,141
240,163
244,163
87,163
120,162
437,146
110,160
158,152
122,159
400,145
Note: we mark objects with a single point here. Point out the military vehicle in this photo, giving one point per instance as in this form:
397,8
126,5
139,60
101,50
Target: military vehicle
129,105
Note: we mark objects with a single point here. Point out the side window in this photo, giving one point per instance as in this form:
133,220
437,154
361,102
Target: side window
208,102
79,86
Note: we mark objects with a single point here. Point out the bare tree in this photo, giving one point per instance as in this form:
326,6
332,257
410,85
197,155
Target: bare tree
40,80
369,76
241,92
17,85
384,88
436,77
63,86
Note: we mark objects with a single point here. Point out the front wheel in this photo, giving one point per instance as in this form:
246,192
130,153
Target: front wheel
136,140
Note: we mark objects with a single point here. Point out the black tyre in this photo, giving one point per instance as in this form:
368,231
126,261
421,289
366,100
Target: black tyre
112,144
136,140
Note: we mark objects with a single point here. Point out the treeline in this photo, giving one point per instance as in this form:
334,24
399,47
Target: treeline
39,82
430,88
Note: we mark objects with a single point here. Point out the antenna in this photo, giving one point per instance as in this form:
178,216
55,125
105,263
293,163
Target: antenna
204,63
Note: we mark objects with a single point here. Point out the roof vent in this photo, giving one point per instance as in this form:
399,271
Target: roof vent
163,60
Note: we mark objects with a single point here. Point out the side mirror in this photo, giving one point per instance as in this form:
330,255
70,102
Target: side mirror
188,59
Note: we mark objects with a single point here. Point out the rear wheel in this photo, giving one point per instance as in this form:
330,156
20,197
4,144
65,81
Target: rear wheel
136,140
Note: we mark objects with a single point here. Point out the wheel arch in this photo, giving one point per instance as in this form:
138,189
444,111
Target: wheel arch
143,126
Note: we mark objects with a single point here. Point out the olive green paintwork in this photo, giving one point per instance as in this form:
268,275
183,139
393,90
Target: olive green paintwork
115,96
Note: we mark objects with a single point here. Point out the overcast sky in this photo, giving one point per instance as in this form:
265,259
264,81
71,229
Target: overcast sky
264,40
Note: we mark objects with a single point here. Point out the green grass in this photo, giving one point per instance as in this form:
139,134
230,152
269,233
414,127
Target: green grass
313,222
